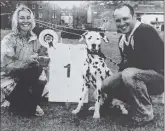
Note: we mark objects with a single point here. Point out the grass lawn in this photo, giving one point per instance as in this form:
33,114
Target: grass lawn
58,116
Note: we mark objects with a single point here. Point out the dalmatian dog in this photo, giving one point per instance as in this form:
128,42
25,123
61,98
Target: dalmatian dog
95,71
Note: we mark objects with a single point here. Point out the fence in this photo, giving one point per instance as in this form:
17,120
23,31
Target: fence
66,32
63,31
5,20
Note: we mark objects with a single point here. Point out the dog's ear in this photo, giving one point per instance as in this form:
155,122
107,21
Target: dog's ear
102,34
104,37
83,36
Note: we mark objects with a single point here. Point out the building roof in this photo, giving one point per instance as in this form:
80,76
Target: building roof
141,9
2,4
148,8
142,12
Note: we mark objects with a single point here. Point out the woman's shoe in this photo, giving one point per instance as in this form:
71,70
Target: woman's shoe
5,104
39,111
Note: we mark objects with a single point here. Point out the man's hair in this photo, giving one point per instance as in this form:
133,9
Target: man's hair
126,5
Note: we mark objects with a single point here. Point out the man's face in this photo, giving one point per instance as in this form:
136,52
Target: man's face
124,20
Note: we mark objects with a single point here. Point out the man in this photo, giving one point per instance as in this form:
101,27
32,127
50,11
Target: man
141,71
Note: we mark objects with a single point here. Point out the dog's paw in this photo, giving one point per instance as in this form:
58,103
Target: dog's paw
75,111
96,115
92,108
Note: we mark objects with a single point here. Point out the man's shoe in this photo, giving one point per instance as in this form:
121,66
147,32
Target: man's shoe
143,123
127,121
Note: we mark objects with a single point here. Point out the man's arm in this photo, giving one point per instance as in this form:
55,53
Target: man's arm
123,63
152,49
9,62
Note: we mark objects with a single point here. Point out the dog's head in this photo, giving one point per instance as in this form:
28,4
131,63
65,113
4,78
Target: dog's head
93,40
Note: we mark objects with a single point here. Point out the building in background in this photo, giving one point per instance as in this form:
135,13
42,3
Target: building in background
7,9
46,11
147,13
96,14
151,14
89,15
66,17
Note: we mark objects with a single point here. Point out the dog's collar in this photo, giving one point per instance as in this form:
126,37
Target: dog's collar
99,53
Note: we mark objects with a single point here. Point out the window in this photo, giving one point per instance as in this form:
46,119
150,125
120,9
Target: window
40,15
63,13
40,6
105,20
54,7
34,14
54,16
40,26
33,6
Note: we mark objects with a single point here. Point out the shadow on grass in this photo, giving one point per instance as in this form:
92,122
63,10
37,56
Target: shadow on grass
58,117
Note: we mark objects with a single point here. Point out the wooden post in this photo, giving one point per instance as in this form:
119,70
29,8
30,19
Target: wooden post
67,104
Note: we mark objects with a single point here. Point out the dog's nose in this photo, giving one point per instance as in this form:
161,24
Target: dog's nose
93,46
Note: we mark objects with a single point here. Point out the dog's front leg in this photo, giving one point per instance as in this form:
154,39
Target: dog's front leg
98,101
81,100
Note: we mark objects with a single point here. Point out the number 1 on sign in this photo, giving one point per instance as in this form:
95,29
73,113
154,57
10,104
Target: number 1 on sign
68,66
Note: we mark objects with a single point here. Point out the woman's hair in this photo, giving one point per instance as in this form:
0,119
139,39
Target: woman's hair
15,18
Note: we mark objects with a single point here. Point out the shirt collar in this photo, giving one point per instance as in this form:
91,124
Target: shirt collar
32,36
135,27
130,38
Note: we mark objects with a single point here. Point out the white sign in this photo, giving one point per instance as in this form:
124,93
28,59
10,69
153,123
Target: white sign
148,18
65,74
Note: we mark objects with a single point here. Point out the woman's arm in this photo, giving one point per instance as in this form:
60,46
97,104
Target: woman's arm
9,62
7,52
43,57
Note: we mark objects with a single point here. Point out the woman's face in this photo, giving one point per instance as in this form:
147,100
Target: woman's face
24,21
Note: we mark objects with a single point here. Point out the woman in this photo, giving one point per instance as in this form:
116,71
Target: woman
20,55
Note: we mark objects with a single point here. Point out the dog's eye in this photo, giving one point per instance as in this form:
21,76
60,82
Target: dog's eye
89,37
97,38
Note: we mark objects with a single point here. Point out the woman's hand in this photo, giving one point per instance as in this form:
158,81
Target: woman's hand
34,56
43,61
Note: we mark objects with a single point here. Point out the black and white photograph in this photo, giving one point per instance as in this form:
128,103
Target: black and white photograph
82,65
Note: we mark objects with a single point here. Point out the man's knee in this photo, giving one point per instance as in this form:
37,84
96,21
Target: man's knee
129,74
111,82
